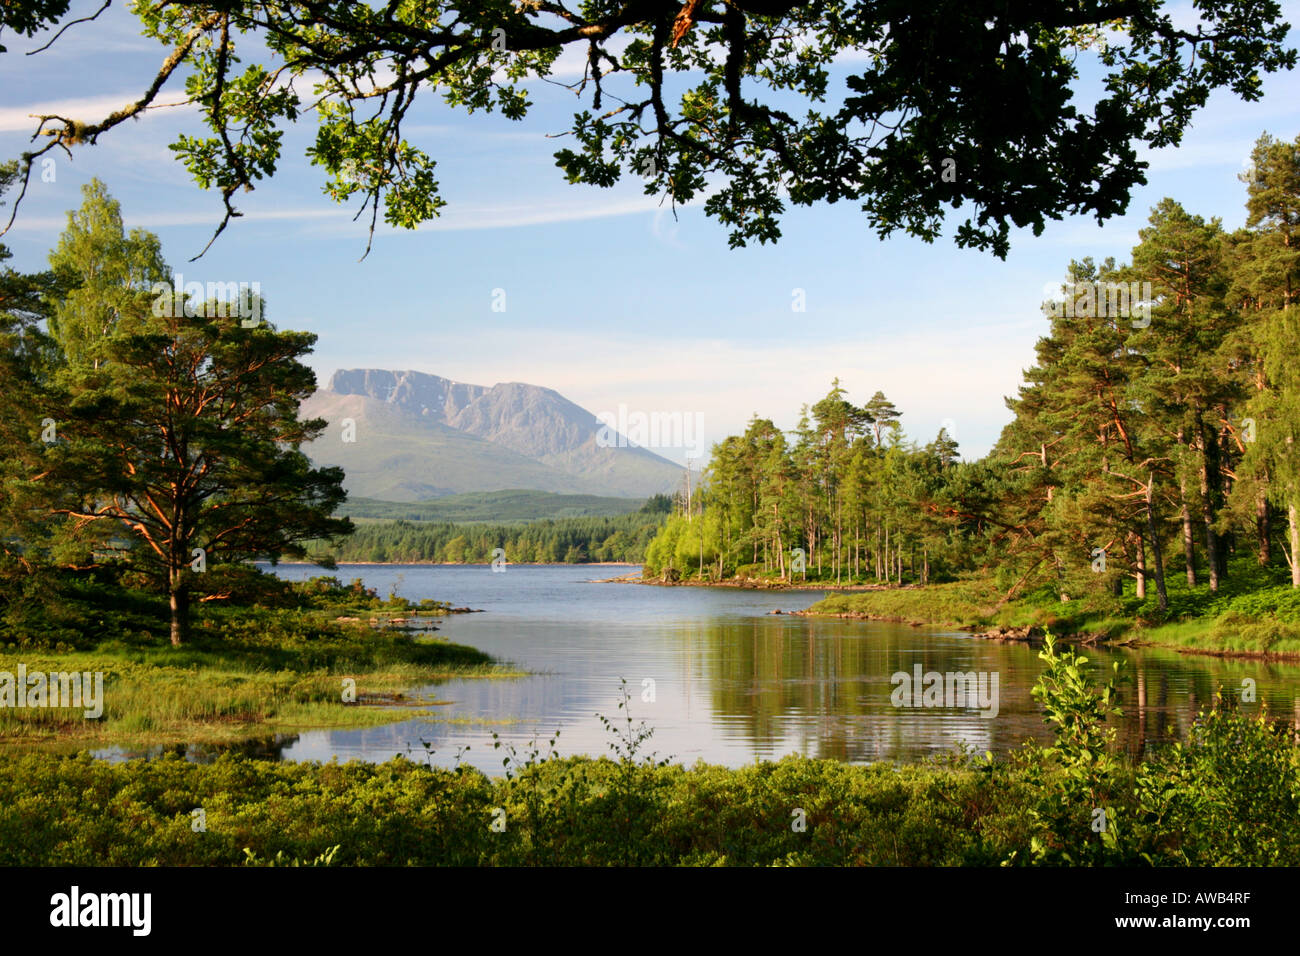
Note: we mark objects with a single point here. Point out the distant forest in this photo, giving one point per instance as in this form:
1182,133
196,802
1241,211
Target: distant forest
549,541
500,507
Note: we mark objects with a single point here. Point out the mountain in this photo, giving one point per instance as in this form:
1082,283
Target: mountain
419,436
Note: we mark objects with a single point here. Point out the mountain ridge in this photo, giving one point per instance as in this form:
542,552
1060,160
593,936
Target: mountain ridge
418,436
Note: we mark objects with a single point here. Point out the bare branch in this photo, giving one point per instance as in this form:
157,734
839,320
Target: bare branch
107,4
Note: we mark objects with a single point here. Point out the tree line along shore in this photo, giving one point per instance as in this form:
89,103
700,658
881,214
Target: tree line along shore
1147,487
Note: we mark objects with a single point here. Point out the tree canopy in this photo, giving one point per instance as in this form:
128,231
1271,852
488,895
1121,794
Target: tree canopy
1154,430
908,109
147,443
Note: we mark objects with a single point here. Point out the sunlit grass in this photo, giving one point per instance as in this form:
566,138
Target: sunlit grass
163,695
1253,613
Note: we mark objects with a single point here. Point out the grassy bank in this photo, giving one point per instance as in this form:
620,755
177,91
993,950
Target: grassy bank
206,697
1229,796
337,658
1254,613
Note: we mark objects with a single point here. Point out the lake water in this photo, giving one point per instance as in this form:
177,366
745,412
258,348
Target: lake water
732,683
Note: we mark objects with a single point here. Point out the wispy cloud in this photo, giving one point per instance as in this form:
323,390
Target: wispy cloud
14,119
329,220
461,216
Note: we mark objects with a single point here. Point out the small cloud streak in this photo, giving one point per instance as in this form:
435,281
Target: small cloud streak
22,119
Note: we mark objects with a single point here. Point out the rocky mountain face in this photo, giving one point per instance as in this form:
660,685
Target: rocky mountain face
415,436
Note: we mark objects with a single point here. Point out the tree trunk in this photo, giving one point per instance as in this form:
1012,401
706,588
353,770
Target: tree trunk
1141,569
839,543
1212,559
1157,554
180,608
701,534
1295,544
857,538
1211,539
780,545
1263,529
1189,547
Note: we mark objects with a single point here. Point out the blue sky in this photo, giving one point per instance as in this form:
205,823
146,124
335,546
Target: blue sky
610,299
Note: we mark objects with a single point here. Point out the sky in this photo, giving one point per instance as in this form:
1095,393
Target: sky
611,298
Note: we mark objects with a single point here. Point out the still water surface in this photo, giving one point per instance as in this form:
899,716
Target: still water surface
733,683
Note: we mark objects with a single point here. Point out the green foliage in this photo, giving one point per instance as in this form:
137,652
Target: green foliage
570,811
1148,478
849,493
1075,816
1228,796
107,275
238,603
143,444
248,669
1195,806
324,859
973,105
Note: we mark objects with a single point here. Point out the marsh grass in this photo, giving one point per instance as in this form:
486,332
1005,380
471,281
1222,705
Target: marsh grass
150,703
244,675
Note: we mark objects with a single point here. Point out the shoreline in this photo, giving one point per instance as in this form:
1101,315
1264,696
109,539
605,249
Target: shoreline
1130,637
744,584
466,564
1032,635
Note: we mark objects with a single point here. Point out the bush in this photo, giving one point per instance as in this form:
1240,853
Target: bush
1229,796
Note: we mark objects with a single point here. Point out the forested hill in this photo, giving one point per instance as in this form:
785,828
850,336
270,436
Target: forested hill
546,541
511,505
1154,437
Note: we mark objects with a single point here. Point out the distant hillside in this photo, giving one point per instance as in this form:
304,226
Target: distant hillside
419,436
497,506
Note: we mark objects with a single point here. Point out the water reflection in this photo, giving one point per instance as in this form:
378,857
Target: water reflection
265,748
733,683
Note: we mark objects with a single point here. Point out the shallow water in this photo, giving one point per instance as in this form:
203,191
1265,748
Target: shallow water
731,682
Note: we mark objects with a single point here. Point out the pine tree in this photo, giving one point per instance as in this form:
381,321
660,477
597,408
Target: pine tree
178,435
1268,283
